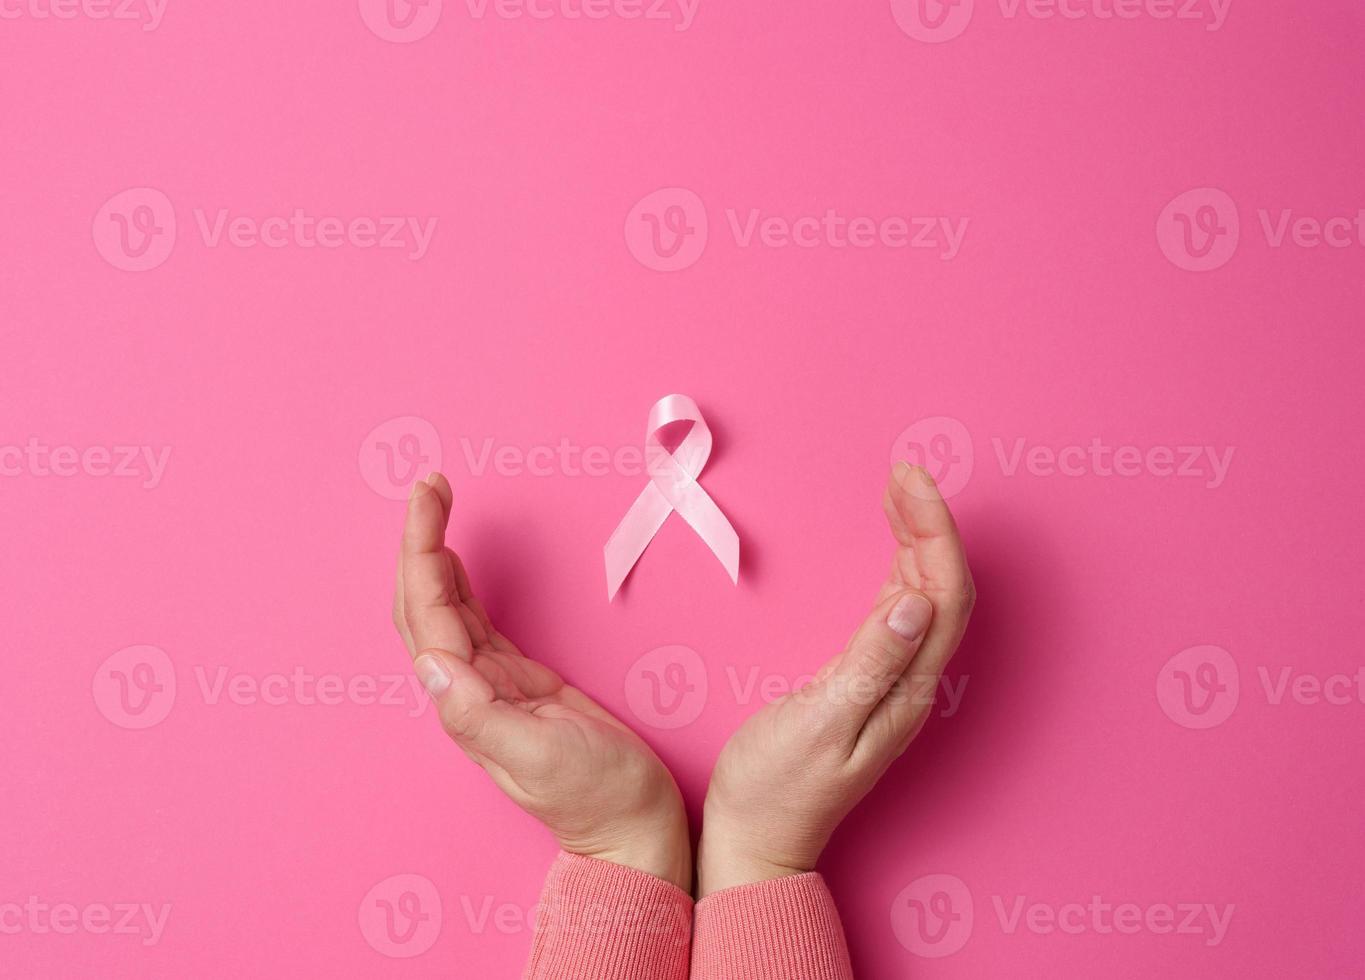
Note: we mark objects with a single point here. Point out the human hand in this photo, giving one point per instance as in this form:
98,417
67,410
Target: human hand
796,768
560,756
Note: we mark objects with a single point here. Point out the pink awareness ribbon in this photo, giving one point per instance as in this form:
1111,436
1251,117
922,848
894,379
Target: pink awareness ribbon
672,487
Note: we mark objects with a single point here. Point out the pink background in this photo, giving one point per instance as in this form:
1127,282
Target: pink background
265,548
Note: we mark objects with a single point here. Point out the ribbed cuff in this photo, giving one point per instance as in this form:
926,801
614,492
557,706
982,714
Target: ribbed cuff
783,929
603,921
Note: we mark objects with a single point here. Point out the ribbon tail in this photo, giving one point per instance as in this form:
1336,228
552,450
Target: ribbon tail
628,542
726,548
712,526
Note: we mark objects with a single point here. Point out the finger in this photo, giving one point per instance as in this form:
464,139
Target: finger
430,599
899,716
472,714
444,493
895,722
400,621
471,610
921,522
930,558
399,618
476,620
880,652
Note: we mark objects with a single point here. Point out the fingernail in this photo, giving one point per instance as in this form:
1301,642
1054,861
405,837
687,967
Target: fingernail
433,674
910,617
418,489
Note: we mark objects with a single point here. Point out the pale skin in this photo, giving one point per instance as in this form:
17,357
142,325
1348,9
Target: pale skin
785,779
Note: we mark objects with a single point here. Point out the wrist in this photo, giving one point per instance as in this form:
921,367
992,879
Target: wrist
725,860
662,851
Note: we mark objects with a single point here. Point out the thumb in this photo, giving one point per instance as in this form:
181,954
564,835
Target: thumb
471,712
878,655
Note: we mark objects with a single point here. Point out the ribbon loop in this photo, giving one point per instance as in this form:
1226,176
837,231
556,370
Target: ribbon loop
673,486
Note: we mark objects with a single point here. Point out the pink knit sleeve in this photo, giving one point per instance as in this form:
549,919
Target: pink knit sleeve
602,921
784,929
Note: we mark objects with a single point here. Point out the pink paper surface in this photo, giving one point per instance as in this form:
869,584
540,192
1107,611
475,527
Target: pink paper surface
1140,229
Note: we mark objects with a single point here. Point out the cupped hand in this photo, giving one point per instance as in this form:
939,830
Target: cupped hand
560,756
797,767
